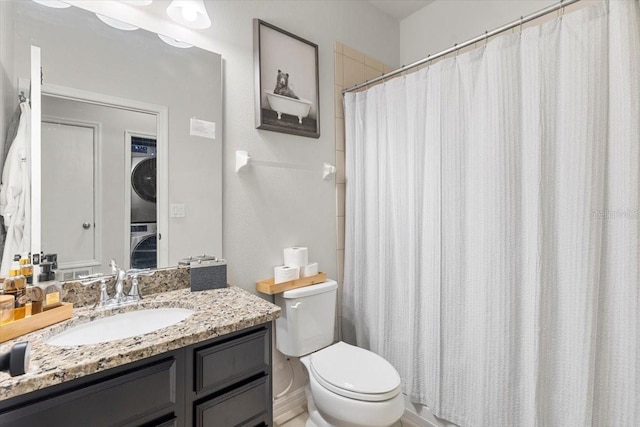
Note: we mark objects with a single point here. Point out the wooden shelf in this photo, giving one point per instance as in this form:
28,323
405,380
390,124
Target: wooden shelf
268,286
20,327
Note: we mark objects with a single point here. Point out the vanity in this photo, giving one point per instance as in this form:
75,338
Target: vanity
211,369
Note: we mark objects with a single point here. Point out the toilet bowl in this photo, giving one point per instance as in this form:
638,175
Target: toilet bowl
348,386
352,387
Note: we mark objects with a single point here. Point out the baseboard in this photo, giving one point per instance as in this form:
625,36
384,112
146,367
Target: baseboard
289,406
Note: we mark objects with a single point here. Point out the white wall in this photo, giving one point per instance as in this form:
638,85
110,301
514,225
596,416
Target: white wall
444,23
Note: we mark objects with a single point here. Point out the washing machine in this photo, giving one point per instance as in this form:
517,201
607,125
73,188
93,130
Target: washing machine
143,180
144,245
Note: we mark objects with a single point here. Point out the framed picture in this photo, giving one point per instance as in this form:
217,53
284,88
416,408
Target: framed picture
286,81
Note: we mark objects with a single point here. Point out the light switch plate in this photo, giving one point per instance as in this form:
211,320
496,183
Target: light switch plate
177,210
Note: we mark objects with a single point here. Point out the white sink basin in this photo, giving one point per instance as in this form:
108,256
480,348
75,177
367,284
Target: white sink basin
120,326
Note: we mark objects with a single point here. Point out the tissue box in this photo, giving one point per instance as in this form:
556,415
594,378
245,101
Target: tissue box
206,272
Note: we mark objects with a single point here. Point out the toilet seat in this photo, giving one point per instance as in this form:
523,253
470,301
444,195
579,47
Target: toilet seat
355,373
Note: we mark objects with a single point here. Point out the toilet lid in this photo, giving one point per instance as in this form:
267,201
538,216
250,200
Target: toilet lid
355,373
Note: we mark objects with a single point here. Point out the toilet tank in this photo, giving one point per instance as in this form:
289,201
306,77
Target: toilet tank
308,318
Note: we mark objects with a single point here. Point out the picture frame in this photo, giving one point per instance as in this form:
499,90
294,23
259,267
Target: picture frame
287,89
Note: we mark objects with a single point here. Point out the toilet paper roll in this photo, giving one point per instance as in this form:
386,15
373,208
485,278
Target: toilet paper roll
285,274
296,257
310,269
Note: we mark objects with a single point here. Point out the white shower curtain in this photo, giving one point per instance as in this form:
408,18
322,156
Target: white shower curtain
492,230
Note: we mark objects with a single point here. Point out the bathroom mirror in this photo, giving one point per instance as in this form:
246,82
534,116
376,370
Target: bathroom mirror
132,99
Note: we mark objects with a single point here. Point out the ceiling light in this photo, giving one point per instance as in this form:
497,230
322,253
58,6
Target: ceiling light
116,24
53,3
138,2
174,42
190,13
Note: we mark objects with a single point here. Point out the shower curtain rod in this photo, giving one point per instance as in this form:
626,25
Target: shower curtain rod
458,46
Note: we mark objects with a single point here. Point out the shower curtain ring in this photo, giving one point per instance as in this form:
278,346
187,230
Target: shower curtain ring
521,20
486,37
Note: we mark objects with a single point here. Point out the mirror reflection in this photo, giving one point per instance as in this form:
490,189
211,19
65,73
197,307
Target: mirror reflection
124,175
113,149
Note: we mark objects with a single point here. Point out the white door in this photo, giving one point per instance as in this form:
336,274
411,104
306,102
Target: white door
68,222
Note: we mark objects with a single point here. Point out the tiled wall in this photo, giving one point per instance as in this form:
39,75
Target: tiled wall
351,68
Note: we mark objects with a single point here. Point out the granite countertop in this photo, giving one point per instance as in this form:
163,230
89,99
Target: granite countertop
217,312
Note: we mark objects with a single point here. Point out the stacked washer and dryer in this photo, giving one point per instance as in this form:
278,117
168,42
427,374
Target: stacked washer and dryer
144,230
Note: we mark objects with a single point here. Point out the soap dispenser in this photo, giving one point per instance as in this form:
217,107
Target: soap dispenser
50,287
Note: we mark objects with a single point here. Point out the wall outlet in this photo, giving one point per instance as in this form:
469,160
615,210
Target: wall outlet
177,210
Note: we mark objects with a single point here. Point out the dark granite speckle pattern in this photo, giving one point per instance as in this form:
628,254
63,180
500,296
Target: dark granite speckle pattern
217,312
162,280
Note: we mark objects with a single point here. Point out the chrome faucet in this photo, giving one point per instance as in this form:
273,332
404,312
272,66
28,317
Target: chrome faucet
120,298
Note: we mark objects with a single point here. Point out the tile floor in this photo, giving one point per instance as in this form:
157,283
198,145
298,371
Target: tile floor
302,418
297,421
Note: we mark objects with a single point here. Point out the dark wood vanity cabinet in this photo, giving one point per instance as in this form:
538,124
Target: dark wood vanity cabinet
221,382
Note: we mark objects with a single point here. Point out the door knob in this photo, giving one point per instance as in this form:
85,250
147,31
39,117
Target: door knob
86,225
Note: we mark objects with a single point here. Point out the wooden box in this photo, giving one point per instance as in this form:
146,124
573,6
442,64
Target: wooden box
20,327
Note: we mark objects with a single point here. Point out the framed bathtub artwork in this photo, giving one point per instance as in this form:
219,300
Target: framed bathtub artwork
287,95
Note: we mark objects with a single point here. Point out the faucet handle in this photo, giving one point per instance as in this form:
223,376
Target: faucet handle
90,279
136,272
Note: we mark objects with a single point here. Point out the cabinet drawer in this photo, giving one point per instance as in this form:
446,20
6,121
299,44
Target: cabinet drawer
115,401
224,364
244,406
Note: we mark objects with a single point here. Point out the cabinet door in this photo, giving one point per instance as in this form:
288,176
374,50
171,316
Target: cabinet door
114,401
243,406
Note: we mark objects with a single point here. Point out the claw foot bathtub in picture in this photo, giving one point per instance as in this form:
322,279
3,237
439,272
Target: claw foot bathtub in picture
283,104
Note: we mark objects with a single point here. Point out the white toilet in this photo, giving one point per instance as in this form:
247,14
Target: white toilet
348,386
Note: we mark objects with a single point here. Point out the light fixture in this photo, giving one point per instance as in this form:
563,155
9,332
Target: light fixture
173,42
190,13
53,3
138,2
116,24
